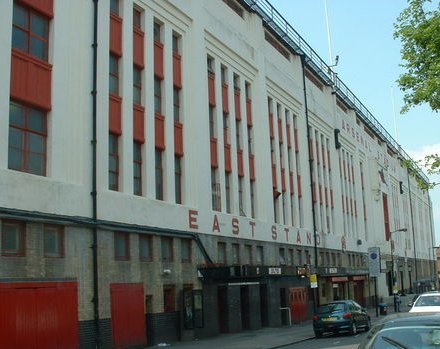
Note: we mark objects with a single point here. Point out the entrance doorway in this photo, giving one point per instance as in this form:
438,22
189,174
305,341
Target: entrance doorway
245,308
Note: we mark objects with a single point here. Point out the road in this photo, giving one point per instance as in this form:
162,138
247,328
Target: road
340,341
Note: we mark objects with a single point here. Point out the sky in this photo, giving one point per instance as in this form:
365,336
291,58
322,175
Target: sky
361,34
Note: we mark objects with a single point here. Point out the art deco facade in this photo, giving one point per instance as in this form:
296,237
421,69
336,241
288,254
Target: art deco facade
172,169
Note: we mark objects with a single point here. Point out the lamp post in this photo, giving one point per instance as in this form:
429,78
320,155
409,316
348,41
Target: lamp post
392,264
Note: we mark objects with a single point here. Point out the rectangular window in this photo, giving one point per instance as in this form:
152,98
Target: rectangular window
175,43
157,95
145,248
185,250
260,255
166,245
252,194
13,238
228,192
169,298
248,254
114,74
235,254
27,139
157,32
159,174
215,188
30,32
137,18
178,179
241,196
137,168
114,7
137,85
176,104
212,132
122,246
113,162
282,256
53,241
221,253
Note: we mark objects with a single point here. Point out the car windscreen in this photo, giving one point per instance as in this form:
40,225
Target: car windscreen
422,337
427,301
329,308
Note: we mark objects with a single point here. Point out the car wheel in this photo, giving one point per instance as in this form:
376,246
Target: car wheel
368,326
318,334
353,329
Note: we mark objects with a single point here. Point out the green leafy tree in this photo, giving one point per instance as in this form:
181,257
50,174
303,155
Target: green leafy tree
419,32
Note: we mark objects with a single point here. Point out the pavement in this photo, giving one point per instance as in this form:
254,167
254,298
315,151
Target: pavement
264,338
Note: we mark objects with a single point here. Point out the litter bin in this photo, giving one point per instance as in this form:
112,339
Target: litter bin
383,308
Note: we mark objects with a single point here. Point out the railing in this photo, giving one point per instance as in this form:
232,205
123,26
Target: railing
276,22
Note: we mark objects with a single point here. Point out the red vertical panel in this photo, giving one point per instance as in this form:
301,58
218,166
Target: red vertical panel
280,131
43,6
158,59
292,187
128,315
159,131
283,179
289,142
31,80
138,47
228,161
274,176
178,138
225,99
240,162
252,166
214,157
67,309
271,125
138,123
115,111
116,34
177,70
249,111
386,216
211,89
298,177
237,104
296,140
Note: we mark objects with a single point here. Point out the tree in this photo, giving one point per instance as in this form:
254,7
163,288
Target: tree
419,31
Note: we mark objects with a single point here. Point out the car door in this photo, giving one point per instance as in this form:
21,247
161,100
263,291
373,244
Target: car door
361,314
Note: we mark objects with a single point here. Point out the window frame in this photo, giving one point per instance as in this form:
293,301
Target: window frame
149,239
137,85
178,179
169,293
60,241
137,18
176,104
169,247
186,245
137,168
113,151
113,86
158,174
126,238
21,231
157,95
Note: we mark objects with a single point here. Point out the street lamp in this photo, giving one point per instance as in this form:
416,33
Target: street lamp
392,262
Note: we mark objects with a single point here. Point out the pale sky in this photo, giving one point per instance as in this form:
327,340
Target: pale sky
361,34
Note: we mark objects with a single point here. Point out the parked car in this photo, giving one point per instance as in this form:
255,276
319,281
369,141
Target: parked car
404,331
339,316
426,303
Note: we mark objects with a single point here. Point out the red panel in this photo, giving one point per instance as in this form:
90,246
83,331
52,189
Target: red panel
280,131
292,187
228,161
211,89
225,99
159,131
214,156
138,47
116,34
274,176
240,162
283,180
271,125
138,123
177,70
115,112
43,6
289,142
237,104
178,138
296,140
298,178
128,315
158,59
249,111
252,167
31,80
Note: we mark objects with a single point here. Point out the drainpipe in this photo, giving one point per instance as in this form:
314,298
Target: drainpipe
316,291
94,177
412,228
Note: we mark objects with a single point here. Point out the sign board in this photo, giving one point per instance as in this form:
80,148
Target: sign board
274,271
313,281
374,261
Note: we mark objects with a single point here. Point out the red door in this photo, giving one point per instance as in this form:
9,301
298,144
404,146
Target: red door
298,304
41,315
128,315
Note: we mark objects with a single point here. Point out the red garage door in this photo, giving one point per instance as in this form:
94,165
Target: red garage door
41,315
128,315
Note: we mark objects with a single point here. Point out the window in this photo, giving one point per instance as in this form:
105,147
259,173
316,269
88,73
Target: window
238,134
30,32
113,162
53,241
157,32
241,196
167,249
114,75
176,104
178,179
282,256
185,250
223,73
13,238
114,7
145,248
137,168
215,188
212,132
159,174
168,298
260,255
27,139
210,64
252,194
248,254
221,253
137,85
228,191
157,95
175,43
235,254
122,246
137,18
